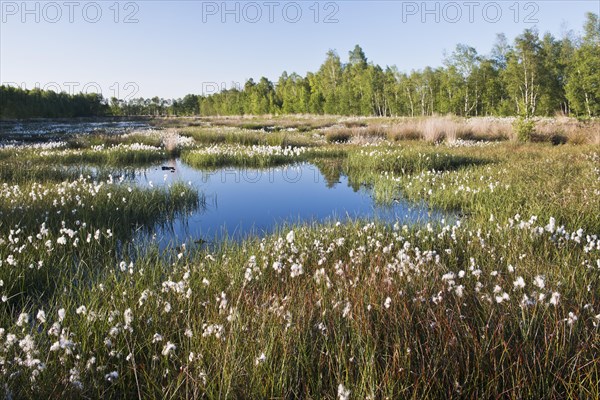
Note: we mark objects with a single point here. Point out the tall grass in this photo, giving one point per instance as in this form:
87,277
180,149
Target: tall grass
409,159
400,313
450,129
254,156
102,204
246,137
118,156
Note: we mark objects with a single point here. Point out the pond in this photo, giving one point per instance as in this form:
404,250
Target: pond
240,202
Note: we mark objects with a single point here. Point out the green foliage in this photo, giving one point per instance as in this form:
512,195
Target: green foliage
532,77
17,103
583,81
524,129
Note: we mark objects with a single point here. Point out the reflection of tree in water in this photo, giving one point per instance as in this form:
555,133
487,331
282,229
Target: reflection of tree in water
124,174
355,183
331,169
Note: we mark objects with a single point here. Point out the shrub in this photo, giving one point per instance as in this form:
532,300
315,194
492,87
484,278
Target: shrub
524,129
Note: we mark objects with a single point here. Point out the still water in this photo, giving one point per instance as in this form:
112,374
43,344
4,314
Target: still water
240,202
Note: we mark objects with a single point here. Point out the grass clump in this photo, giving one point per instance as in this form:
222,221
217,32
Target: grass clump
408,160
242,156
103,204
236,136
120,155
338,136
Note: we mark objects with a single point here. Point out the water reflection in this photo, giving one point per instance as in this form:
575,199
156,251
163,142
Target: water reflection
240,202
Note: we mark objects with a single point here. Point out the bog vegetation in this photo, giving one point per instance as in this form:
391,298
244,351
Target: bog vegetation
503,302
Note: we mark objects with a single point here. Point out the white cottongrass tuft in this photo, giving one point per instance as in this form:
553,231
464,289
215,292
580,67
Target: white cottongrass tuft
290,237
388,302
555,298
539,281
260,359
343,393
41,316
519,283
169,347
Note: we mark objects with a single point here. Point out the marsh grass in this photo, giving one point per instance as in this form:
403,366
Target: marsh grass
59,213
531,180
20,171
254,156
338,135
88,141
301,123
558,130
101,204
449,129
409,159
212,135
504,303
118,156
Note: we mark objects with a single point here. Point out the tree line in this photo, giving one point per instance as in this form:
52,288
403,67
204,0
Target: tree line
36,103
534,75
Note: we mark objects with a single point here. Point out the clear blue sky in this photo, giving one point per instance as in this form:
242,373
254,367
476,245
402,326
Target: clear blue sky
180,47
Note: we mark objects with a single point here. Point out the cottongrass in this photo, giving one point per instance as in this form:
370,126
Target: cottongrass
37,146
469,143
377,311
99,154
249,156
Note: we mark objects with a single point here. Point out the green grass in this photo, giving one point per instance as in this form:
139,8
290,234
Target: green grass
76,212
255,156
87,141
115,156
529,180
246,137
119,156
411,158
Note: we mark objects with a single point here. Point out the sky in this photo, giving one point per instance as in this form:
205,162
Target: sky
171,48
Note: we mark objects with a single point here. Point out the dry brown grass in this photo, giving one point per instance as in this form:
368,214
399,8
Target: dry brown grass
567,130
559,130
489,128
403,131
430,129
170,139
338,135
556,130
449,129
